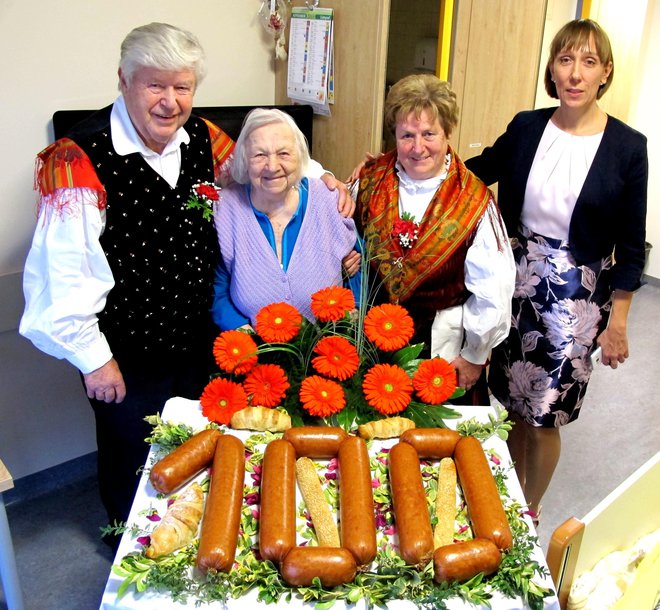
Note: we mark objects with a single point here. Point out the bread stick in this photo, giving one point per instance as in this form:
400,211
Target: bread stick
445,504
327,533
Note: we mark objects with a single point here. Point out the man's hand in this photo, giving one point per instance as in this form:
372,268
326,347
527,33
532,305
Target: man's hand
351,263
467,373
106,383
355,174
345,205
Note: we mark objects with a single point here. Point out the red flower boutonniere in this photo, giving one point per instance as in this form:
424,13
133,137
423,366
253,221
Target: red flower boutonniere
202,197
406,230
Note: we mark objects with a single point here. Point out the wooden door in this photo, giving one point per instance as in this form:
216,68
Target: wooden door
355,127
494,66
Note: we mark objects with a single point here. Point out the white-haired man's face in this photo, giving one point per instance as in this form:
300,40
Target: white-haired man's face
158,102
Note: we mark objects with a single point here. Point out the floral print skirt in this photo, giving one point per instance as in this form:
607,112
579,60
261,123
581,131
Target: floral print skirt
542,369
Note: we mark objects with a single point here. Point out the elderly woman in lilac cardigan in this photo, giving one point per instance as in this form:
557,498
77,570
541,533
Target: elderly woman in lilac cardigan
281,236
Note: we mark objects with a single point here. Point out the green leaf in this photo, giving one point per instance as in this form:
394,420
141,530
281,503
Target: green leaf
429,416
407,353
458,392
346,417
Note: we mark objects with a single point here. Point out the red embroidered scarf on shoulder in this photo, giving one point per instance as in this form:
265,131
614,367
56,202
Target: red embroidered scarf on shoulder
449,220
64,165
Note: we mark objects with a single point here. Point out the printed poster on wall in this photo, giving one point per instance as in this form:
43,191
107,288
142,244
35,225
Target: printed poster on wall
311,58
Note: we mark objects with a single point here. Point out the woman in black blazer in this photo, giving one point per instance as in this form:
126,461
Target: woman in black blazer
572,191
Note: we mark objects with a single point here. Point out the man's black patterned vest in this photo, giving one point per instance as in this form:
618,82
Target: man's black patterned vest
162,255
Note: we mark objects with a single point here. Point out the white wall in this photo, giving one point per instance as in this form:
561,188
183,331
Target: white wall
634,31
64,55
645,117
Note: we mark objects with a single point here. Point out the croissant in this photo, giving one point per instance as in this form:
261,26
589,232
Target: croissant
179,525
261,418
385,428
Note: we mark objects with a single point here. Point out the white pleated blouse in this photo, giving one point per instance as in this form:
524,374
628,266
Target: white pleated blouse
555,180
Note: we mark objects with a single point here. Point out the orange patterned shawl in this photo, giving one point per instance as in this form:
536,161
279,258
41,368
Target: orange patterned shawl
449,220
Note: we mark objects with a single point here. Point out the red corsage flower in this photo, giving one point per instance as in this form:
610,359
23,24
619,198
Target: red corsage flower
405,230
203,196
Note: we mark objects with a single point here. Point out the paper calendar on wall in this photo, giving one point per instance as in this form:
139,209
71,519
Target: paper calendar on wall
311,58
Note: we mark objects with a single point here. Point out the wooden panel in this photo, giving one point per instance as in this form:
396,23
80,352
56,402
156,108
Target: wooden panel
494,66
355,127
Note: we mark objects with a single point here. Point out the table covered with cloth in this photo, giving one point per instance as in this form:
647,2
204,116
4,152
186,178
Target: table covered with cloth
148,502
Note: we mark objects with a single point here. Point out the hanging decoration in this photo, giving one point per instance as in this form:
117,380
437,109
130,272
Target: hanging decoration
273,15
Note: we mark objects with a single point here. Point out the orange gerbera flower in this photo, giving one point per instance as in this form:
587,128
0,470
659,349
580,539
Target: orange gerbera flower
332,303
321,397
337,358
435,380
235,351
388,326
266,384
221,399
278,322
387,388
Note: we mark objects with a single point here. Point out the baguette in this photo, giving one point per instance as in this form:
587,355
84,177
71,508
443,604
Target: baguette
327,533
445,504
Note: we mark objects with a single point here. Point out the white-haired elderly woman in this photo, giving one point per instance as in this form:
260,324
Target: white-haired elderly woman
281,236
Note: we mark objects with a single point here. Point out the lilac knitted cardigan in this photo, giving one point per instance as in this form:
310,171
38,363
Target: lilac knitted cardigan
257,278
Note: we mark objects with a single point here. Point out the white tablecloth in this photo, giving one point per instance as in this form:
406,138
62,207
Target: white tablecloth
180,410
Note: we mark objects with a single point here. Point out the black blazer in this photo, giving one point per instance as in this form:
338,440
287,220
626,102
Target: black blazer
610,212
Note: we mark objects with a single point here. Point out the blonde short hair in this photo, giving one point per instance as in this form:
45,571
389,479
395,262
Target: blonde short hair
419,92
576,35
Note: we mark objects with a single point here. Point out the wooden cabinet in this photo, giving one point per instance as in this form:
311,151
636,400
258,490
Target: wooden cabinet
496,46
494,66
356,124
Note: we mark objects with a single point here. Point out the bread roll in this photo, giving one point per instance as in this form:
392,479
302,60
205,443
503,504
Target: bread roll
179,525
390,427
261,418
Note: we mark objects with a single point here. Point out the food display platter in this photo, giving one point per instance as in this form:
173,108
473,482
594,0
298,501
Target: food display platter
148,502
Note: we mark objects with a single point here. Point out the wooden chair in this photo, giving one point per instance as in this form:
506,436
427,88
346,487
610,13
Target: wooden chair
630,512
8,572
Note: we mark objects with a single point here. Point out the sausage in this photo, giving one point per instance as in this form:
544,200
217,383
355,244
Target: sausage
481,494
315,441
277,523
411,513
331,565
356,501
463,560
222,515
432,443
184,462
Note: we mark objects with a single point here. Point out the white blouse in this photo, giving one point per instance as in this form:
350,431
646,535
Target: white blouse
555,180
470,330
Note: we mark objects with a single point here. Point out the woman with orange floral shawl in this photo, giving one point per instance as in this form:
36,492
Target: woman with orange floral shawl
434,235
